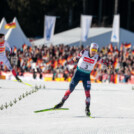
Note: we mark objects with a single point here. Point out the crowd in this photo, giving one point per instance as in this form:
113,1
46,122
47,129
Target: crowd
57,60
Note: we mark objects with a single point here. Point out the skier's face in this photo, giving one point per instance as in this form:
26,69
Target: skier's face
93,52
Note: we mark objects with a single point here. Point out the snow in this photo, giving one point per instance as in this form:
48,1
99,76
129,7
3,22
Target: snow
111,105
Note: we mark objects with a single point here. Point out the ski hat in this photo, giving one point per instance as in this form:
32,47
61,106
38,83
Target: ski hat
94,46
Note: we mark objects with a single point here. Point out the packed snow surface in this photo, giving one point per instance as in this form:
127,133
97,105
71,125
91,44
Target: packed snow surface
112,107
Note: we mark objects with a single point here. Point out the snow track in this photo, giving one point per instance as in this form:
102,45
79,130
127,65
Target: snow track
111,105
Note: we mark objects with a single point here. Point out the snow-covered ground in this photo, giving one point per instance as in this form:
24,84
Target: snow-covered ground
111,105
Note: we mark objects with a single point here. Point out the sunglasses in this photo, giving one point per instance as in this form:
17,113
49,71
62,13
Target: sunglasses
94,50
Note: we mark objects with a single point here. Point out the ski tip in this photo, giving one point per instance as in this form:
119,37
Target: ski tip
28,84
24,83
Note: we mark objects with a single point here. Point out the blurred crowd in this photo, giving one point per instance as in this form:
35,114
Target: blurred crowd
57,60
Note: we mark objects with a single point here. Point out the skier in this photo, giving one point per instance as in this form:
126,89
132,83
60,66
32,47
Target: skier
3,58
86,62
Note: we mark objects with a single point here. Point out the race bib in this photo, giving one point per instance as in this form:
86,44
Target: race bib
87,64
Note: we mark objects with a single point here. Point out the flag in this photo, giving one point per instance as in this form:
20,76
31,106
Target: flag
69,57
116,51
10,25
110,53
127,45
44,57
24,46
116,27
99,66
48,63
60,61
55,64
15,50
39,61
30,49
126,54
94,73
85,26
63,62
49,28
121,47
115,63
132,72
115,78
111,47
132,52
21,61
29,62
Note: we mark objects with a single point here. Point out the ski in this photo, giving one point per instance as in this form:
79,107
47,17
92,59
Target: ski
24,83
50,109
90,117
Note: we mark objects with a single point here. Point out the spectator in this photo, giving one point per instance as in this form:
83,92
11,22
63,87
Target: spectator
34,74
58,60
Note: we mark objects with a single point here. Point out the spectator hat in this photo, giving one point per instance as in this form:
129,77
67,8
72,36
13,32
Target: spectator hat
1,35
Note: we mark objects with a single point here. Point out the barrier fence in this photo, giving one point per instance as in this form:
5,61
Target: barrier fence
51,77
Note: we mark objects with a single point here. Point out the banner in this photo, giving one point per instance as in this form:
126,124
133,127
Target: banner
116,27
49,28
85,26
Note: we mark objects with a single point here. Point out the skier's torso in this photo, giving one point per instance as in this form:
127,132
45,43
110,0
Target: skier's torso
86,63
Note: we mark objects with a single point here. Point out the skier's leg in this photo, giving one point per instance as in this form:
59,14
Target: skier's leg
87,87
87,101
7,63
72,86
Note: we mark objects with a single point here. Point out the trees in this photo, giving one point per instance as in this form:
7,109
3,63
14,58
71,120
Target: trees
30,13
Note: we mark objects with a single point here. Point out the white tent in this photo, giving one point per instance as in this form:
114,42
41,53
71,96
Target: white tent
72,36
16,36
2,26
100,35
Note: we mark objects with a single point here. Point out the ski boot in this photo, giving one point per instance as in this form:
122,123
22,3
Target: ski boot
59,105
18,79
87,111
